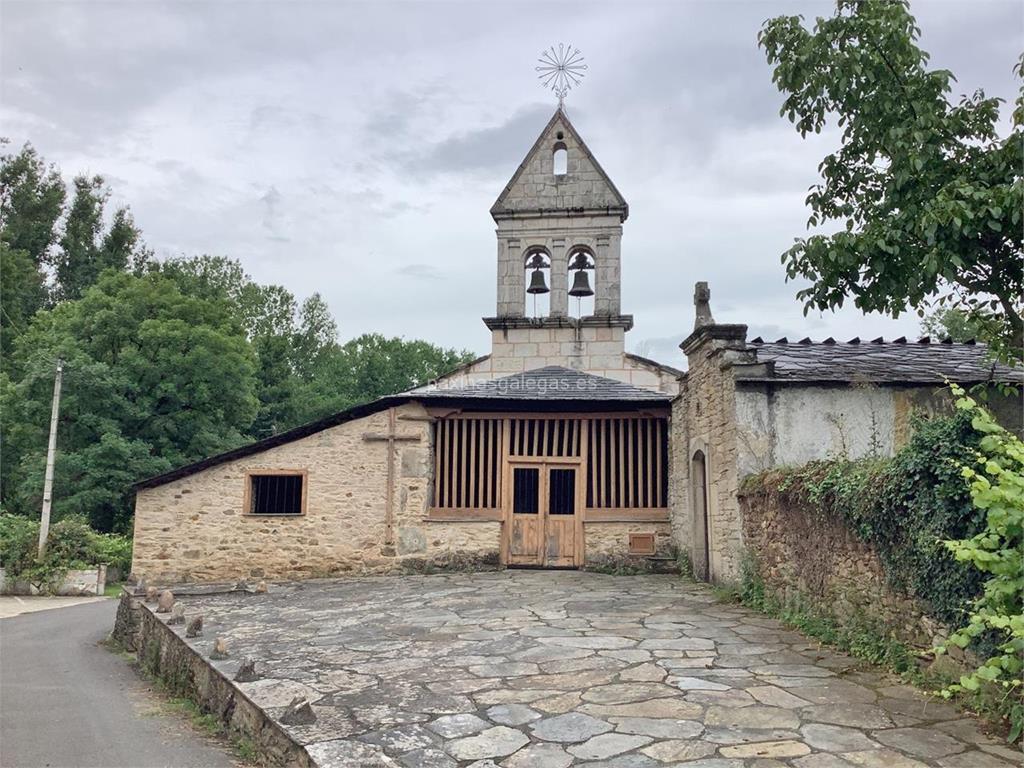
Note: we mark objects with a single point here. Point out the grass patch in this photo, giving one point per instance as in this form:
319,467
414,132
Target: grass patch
860,636
112,589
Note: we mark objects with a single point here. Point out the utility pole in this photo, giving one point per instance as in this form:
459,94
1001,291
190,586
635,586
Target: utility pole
51,452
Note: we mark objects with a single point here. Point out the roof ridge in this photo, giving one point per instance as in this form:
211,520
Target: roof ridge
923,341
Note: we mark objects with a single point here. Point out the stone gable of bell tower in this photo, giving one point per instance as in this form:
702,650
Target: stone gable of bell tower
560,209
553,208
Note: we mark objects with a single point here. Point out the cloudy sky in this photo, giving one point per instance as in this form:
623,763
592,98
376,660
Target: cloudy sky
354,148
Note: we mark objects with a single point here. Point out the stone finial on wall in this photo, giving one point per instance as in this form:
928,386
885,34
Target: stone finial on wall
702,302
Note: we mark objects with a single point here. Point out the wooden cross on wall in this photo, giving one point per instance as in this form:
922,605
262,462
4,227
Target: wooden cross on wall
391,437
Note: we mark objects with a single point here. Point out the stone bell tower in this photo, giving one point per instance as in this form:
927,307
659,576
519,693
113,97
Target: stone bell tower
560,215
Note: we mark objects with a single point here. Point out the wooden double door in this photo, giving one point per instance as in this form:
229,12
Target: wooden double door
543,514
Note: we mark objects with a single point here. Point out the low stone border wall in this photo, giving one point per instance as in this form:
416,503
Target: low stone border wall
161,652
86,581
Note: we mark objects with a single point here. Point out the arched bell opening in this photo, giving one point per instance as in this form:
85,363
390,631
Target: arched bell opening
537,264
581,281
701,523
559,159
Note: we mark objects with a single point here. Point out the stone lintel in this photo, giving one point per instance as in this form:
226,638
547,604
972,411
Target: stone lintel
591,321
733,334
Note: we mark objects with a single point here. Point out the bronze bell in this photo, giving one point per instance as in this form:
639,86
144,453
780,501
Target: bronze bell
537,284
581,284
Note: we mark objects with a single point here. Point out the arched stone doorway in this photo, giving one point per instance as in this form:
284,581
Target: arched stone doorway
701,548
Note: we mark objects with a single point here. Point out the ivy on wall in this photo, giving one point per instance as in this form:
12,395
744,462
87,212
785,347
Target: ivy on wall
945,515
903,507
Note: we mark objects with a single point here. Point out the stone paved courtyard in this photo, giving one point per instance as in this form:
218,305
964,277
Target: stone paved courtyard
547,669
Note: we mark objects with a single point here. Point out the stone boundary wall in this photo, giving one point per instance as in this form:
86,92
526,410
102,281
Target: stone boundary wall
162,652
86,581
803,557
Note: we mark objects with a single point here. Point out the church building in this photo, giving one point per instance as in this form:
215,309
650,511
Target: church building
559,449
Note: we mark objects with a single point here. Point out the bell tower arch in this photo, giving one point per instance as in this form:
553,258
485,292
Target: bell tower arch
561,203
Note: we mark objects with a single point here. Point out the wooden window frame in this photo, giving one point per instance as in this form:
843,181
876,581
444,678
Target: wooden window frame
247,500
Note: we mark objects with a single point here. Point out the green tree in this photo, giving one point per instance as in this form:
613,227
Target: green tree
925,192
372,366
31,201
958,325
85,250
290,341
263,310
77,263
122,247
153,379
22,294
315,337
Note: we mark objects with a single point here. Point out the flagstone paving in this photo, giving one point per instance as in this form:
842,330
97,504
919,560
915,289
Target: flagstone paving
551,669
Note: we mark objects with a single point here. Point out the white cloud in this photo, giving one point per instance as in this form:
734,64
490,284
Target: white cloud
354,148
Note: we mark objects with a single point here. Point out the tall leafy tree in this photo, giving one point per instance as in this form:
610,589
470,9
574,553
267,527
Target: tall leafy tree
290,340
372,366
122,247
154,379
925,193
315,337
77,263
957,325
85,249
31,201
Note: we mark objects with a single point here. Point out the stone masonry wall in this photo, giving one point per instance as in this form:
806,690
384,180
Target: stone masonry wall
194,528
607,546
680,511
820,562
711,428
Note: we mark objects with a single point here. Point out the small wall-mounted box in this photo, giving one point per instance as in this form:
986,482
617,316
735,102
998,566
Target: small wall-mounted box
641,543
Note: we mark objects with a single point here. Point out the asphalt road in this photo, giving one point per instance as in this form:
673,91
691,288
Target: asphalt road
68,702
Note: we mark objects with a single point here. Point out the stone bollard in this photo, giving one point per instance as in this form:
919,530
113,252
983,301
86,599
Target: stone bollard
151,594
195,627
220,649
165,602
247,672
299,713
261,588
177,614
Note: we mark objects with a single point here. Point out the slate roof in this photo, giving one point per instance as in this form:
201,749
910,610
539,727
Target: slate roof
895,361
553,383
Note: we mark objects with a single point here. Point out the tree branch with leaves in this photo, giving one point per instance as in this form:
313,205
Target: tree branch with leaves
923,193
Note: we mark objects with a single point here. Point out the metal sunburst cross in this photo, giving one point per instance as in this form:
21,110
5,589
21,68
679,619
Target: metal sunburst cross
561,70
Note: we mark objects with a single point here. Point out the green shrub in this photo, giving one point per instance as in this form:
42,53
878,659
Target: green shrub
115,550
71,544
996,481
19,540
904,507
